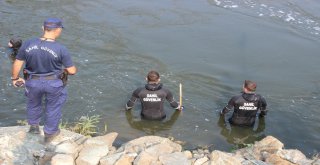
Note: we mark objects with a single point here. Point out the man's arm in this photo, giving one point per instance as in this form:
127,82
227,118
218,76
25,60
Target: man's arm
229,107
133,99
71,70
171,100
263,107
16,67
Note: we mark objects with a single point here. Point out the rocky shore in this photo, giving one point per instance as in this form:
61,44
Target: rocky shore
19,147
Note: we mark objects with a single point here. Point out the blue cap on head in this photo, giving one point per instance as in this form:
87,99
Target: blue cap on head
52,23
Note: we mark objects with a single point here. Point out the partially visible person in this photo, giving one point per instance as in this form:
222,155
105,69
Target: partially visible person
152,97
15,45
45,60
246,106
151,127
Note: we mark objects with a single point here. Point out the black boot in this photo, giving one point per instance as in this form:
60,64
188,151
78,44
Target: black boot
49,137
34,129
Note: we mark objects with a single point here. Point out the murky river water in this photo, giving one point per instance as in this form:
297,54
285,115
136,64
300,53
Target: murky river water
209,46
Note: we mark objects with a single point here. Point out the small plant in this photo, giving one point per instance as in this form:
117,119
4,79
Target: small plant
64,125
22,122
87,125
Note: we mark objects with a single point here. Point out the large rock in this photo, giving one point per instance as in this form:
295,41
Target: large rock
102,140
142,143
110,159
69,147
91,155
174,159
201,161
268,145
62,159
145,158
294,156
218,157
275,159
316,162
126,159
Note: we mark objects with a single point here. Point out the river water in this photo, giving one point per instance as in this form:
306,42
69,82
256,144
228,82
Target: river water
210,46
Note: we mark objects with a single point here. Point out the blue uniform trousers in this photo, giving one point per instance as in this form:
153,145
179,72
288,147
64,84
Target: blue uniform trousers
47,94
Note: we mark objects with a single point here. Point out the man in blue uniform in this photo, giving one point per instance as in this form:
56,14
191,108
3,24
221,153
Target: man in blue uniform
45,61
246,106
152,97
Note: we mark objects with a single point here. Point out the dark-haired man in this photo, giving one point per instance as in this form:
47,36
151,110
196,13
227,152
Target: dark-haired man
246,106
152,97
45,60
15,45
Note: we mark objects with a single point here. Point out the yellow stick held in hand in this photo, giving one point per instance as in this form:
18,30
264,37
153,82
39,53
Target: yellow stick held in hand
180,96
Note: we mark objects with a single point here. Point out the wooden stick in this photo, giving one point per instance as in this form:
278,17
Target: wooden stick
180,96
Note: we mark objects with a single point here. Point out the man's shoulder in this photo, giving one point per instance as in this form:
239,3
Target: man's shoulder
236,96
30,41
139,89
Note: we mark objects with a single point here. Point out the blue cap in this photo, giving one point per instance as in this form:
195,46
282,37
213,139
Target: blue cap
52,23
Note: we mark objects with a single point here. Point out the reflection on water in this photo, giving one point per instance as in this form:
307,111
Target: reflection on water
150,127
241,136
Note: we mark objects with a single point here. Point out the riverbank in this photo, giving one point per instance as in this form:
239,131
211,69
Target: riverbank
69,148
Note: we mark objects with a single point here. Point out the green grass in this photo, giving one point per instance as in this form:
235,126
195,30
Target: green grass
22,122
86,125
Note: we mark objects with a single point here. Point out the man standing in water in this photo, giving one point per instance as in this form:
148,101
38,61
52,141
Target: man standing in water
246,106
152,97
45,61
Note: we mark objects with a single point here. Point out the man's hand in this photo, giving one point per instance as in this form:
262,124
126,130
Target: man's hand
180,108
18,82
